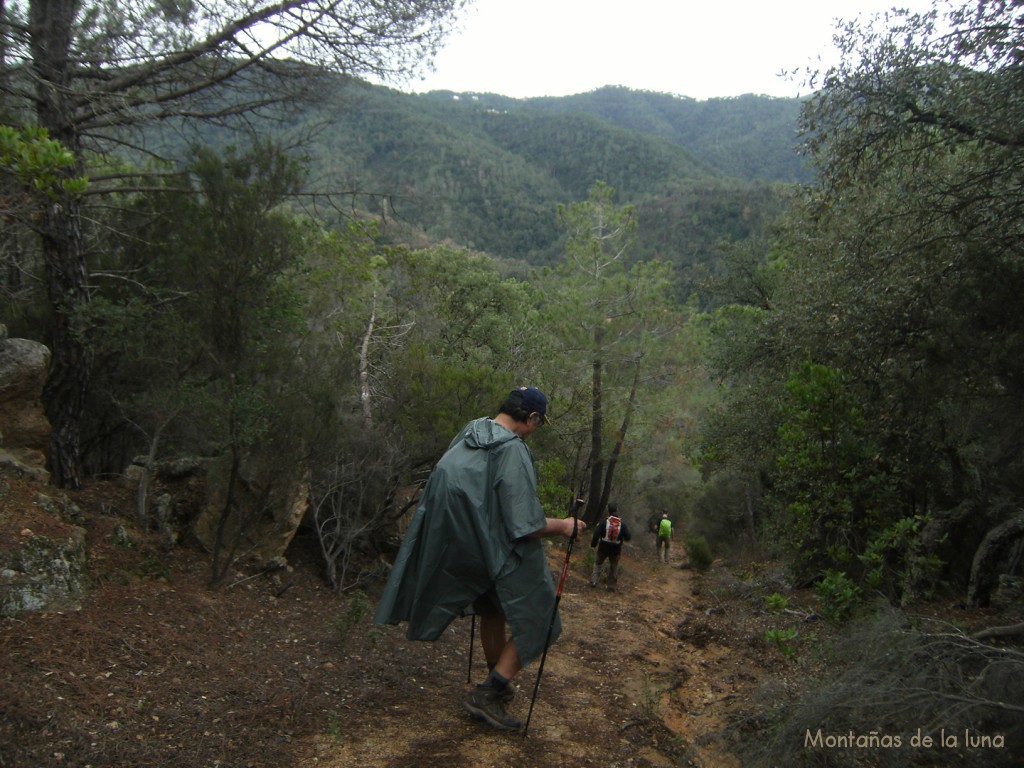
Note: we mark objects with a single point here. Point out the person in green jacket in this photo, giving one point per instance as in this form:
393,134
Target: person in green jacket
473,547
664,537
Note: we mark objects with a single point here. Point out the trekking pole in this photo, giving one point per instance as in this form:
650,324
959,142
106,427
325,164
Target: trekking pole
554,611
472,632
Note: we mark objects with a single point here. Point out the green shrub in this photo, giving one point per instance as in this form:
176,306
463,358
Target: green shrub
776,603
837,596
357,609
784,640
699,552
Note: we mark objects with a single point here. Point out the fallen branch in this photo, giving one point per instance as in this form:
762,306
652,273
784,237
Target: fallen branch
802,614
1010,630
634,723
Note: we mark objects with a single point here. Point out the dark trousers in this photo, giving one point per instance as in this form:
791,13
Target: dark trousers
613,567
663,545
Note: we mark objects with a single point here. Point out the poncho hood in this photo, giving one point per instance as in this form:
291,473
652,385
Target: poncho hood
484,434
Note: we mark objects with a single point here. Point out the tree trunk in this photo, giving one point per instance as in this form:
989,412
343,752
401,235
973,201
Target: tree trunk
146,478
221,561
68,381
749,517
988,557
67,288
593,509
364,369
620,439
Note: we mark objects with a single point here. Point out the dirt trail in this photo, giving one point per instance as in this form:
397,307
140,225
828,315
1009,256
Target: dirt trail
620,688
273,669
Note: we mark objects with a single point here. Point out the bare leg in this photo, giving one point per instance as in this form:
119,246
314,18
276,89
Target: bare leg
508,663
492,637
500,651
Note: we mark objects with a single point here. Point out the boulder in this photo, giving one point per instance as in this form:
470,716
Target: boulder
45,572
268,507
24,428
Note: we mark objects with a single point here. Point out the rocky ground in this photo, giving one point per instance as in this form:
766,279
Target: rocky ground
155,668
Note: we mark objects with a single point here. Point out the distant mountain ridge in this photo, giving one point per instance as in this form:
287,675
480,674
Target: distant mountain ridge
488,171
750,137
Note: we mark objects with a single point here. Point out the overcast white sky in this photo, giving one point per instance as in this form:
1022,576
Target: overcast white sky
525,48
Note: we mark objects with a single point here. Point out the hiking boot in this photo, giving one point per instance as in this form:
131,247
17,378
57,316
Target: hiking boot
507,693
485,703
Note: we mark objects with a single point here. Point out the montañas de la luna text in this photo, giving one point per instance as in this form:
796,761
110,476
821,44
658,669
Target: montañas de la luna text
877,740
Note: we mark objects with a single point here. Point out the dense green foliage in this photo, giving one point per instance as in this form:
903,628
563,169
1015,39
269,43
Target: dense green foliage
874,366
31,161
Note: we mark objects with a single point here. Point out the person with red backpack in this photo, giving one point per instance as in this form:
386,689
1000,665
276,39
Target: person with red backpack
608,537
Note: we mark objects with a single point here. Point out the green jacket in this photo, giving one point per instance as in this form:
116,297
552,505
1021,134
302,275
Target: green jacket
467,535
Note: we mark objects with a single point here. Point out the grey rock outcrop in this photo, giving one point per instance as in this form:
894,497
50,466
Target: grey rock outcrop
47,574
44,570
24,428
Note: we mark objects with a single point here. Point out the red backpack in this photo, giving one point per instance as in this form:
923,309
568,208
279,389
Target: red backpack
612,529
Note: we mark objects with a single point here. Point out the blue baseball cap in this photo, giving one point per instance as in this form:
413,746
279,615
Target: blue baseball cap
535,400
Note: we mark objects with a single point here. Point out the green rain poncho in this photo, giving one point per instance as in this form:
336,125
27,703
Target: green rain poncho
468,534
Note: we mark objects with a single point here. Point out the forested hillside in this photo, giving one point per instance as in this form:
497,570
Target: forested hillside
487,172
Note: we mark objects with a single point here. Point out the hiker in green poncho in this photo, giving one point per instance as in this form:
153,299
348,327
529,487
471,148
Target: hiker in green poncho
473,547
